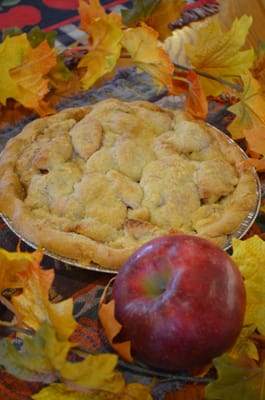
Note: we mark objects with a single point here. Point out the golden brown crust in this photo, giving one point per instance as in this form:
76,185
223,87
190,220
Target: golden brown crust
93,184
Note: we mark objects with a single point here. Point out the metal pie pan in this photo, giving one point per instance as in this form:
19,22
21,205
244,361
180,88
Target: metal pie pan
239,233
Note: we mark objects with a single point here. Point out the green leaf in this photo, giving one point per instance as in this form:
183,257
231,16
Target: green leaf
13,31
36,36
238,379
139,11
40,358
44,358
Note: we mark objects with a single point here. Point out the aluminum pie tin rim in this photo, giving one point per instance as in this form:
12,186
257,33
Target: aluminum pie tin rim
238,234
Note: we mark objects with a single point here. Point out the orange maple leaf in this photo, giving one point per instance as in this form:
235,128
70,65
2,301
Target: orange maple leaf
256,147
188,83
94,10
112,327
32,84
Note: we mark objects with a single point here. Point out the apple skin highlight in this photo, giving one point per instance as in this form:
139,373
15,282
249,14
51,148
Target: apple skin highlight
181,302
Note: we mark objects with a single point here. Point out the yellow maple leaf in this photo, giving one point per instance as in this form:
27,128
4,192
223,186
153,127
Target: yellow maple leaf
164,12
34,306
244,346
147,55
12,264
103,53
219,53
30,76
132,391
12,51
249,255
250,110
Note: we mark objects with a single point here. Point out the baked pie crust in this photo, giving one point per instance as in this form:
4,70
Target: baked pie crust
93,184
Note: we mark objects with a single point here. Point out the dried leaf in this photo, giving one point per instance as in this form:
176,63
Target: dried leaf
132,391
139,11
12,264
143,47
164,12
196,102
34,306
249,255
258,164
112,327
11,53
103,53
244,345
219,53
174,45
238,379
255,138
42,357
32,85
250,110
93,10
36,36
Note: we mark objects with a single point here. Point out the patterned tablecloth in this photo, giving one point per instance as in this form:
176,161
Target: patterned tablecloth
84,285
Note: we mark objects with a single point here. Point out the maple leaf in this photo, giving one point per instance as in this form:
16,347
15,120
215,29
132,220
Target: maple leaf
249,255
244,345
258,69
255,147
11,53
132,391
112,327
238,379
93,10
142,45
29,77
103,53
12,264
40,358
188,83
34,306
174,45
43,358
250,110
162,14
217,53
139,11
36,36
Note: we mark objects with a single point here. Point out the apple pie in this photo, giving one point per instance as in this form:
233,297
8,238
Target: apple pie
94,183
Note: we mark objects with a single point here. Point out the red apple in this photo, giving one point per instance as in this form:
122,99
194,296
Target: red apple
181,302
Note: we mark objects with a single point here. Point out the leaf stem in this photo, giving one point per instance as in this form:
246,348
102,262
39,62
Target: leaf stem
161,374
209,76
